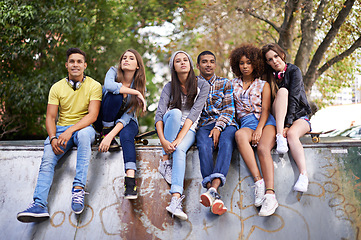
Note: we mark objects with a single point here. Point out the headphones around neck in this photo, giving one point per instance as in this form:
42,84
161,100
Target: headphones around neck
280,75
75,85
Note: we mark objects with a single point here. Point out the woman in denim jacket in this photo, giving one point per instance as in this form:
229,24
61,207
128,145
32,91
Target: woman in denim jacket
123,99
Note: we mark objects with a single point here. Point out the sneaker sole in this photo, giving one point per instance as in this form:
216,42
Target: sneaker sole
218,208
258,204
26,218
78,212
299,189
283,151
181,217
205,200
131,197
114,149
269,213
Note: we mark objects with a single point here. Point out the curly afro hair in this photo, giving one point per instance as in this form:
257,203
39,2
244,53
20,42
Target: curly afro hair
253,54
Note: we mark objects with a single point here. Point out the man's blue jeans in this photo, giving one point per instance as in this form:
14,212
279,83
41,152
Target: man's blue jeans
172,126
206,148
83,140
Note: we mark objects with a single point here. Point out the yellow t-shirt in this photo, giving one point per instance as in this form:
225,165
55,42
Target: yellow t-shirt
73,105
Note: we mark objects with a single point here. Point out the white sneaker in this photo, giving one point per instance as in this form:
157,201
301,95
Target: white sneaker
165,169
175,208
281,144
259,190
269,205
301,184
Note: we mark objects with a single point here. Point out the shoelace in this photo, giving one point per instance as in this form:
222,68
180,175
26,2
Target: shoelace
168,166
265,204
30,206
78,197
179,202
216,195
258,190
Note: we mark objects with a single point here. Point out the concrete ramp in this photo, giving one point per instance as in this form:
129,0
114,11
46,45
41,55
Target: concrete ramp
331,208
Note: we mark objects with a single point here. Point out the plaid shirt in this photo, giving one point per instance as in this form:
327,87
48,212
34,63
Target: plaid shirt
219,106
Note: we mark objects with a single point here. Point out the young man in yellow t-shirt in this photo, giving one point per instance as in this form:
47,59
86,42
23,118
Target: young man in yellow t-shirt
77,100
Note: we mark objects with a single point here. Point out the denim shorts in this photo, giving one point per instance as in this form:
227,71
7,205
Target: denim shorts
250,121
307,120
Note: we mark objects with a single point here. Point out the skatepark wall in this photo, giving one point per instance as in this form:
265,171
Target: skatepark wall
330,209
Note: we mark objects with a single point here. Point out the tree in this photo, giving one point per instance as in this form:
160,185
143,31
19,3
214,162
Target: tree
319,36
35,36
322,24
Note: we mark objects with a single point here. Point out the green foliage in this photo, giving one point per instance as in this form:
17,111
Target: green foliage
35,36
222,25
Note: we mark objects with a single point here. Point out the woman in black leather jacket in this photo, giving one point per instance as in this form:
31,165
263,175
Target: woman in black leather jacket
290,107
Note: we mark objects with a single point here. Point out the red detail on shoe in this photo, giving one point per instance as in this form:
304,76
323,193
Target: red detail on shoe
218,207
205,200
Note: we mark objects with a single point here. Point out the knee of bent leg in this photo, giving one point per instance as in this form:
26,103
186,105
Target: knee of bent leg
204,145
292,135
85,134
175,113
241,136
47,166
282,92
263,150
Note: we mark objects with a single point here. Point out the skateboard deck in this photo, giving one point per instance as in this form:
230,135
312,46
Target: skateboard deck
140,138
316,135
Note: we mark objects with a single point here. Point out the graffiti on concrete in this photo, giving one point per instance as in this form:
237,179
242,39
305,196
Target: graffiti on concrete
146,217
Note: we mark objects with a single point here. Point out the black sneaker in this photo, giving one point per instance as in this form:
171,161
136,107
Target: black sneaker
130,188
114,146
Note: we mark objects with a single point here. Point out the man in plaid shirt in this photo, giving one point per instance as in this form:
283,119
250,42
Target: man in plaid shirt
217,127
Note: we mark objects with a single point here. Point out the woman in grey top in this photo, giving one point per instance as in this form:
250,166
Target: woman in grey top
176,119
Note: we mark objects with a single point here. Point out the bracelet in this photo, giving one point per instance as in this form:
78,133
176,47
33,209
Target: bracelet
271,189
52,138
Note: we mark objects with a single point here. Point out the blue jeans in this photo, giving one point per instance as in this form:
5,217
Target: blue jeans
206,148
126,137
172,126
111,104
83,140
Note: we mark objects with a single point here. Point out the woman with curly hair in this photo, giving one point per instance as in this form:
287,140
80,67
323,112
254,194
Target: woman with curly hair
123,100
252,98
290,107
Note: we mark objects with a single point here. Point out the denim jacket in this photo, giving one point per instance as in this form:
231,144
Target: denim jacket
111,85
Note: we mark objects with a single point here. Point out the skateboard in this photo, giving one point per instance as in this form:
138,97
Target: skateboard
316,135
140,138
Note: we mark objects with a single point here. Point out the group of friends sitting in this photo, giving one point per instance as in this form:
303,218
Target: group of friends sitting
264,106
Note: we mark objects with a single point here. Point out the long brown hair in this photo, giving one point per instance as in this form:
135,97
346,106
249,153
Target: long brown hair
191,85
139,81
268,69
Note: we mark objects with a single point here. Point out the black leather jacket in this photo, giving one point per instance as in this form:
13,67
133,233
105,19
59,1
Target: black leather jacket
297,101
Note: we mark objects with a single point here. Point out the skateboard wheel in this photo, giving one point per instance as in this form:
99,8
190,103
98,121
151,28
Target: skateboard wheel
316,139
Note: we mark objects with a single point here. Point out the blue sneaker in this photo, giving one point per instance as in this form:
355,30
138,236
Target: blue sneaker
77,200
34,213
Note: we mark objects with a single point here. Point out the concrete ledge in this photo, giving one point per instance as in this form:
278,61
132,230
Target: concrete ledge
331,208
